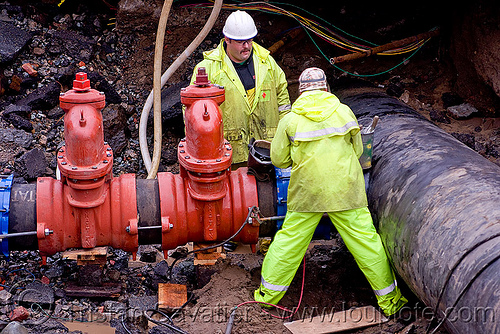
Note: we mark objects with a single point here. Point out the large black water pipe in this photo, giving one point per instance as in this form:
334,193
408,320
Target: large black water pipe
437,206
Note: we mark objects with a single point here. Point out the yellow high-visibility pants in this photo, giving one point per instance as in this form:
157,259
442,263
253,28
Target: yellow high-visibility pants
356,229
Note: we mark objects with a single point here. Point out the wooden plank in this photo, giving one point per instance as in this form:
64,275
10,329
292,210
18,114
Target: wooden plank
95,255
338,322
171,296
207,257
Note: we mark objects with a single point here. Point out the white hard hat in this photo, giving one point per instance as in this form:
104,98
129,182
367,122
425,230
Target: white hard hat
312,78
239,26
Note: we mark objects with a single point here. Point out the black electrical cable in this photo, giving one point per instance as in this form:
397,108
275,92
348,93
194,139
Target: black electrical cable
448,277
250,211
171,325
182,306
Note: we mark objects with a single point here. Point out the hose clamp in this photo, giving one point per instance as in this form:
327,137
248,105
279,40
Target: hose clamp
5,189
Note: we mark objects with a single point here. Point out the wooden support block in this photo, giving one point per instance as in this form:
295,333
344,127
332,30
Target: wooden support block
208,257
171,296
96,255
354,318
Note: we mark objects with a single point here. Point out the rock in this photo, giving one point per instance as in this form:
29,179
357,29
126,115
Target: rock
396,87
14,327
19,314
161,269
43,98
55,113
50,326
115,122
161,330
467,139
169,156
19,122
114,307
4,83
98,82
12,40
16,137
72,44
462,111
35,293
54,271
138,305
32,164
18,109
17,115
450,99
148,255
439,116
5,297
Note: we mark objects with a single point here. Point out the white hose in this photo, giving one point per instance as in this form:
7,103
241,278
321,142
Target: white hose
152,167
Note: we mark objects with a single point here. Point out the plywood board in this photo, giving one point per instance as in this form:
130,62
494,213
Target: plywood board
171,296
338,322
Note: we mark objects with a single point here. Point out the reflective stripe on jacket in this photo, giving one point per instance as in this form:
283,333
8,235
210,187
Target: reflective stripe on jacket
321,140
243,121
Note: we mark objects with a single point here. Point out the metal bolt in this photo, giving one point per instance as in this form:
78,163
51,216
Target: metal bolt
61,94
105,161
181,145
198,161
227,154
109,154
228,148
108,149
74,168
182,151
187,157
171,225
63,163
48,232
127,229
183,139
94,167
218,160
59,156
101,93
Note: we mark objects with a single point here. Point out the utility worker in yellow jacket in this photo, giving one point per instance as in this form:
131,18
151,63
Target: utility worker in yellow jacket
320,138
256,87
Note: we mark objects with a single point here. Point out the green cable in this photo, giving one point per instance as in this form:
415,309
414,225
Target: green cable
363,75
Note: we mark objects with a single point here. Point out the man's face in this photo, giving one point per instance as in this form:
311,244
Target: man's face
238,51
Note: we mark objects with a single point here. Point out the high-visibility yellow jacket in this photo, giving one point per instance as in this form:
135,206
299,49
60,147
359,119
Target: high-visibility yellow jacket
321,140
243,121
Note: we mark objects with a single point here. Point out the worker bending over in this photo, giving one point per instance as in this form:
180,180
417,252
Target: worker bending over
321,140
256,87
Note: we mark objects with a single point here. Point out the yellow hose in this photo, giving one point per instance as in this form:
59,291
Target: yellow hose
155,95
160,37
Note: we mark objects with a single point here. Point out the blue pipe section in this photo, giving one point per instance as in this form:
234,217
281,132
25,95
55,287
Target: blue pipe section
324,229
5,189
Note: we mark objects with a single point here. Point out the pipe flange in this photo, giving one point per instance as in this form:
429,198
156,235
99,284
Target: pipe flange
96,171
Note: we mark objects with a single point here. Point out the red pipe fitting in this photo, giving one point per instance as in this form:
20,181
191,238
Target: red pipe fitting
206,201
88,207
